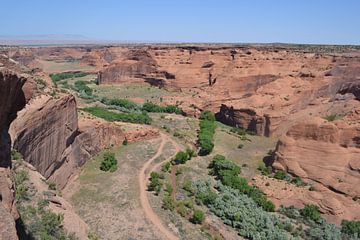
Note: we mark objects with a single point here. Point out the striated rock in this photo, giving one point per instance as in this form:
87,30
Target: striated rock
44,129
326,153
244,118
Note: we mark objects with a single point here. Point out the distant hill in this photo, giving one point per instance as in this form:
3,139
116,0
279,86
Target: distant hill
48,39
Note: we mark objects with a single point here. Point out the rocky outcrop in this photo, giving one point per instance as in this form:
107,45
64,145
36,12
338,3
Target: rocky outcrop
244,118
44,129
12,99
351,87
137,64
325,153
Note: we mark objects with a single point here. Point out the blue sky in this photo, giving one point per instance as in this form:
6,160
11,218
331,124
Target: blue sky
292,21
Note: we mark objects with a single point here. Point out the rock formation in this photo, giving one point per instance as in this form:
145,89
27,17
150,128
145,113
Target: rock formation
244,118
12,99
44,129
327,154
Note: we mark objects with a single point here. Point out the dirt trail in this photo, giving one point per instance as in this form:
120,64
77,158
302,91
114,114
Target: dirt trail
143,179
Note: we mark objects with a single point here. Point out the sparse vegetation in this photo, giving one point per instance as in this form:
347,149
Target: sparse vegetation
331,117
152,107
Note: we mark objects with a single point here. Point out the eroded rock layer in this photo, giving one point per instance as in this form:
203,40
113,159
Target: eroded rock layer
328,154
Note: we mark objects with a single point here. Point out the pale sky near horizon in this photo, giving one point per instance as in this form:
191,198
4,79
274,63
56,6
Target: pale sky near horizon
240,21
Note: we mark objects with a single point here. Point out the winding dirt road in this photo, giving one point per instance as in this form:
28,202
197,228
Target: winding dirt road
143,179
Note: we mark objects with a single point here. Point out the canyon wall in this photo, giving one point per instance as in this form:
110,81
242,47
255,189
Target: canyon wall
326,154
48,136
44,129
12,99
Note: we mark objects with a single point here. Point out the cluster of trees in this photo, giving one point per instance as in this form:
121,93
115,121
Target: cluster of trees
147,107
228,173
141,118
55,77
183,156
152,107
207,131
123,103
109,162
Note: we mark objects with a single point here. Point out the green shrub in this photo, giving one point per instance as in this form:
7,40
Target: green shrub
331,117
81,86
311,212
181,157
155,183
168,203
280,175
351,227
166,167
207,115
21,177
109,162
290,212
125,142
123,117
187,186
198,216
52,186
297,181
264,169
169,189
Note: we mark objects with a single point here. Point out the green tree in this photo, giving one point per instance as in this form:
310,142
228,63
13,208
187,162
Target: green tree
198,216
109,162
311,212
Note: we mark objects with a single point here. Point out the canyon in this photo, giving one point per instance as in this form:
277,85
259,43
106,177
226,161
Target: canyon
305,98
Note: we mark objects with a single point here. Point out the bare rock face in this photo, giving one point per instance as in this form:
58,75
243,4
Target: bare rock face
12,99
93,136
325,153
244,118
44,129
